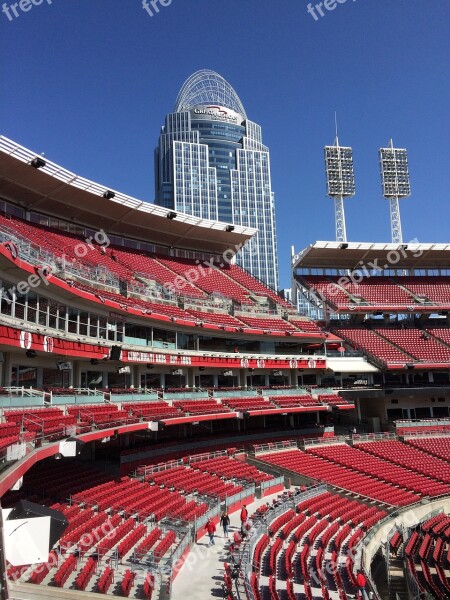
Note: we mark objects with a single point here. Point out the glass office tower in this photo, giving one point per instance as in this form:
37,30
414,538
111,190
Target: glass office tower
210,162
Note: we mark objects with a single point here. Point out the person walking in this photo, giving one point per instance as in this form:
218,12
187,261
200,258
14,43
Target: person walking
361,582
244,517
225,522
211,529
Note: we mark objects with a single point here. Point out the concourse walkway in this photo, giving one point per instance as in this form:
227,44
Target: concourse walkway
201,576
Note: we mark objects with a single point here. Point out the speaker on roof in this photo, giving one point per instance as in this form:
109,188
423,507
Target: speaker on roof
64,365
115,353
409,365
70,447
29,510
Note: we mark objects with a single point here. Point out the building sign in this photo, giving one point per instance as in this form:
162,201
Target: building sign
48,344
160,359
12,337
216,113
26,339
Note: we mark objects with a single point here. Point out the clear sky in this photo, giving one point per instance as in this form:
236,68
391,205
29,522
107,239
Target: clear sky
89,82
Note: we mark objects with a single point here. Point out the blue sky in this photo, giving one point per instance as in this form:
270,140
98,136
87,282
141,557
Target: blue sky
89,82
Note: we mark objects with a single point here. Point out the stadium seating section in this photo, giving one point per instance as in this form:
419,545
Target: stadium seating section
307,552
161,273
320,468
380,291
427,557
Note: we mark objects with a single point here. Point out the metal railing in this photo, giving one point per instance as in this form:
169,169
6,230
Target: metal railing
331,441
265,485
147,470
274,447
371,437
239,497
211,513
38,256
24,392
208,456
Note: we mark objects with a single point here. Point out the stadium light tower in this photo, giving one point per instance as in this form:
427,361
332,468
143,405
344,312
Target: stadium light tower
340,182
395,183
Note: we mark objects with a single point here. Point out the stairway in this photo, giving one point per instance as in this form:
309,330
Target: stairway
397,586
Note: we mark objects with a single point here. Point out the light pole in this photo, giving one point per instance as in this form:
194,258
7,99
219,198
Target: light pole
340,182
395,184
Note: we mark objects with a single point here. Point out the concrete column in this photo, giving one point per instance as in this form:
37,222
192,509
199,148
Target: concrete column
293,377
40,377
135,376
358,409
190,377
76,375
6,369
242,378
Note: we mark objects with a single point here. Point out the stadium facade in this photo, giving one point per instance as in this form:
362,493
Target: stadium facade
211,163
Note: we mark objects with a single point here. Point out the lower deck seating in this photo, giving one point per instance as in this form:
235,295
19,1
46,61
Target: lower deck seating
308,550
323,469
436,446
100,530
193,481
396,452
426,556
231,468
384,470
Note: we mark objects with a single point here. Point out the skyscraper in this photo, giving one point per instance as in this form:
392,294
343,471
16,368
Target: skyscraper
210,162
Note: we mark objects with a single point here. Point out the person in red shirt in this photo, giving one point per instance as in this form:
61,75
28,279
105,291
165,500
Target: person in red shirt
361,583
244,517
211,529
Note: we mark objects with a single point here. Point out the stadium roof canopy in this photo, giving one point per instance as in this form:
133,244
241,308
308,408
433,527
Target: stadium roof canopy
54,191
354,255
206,87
